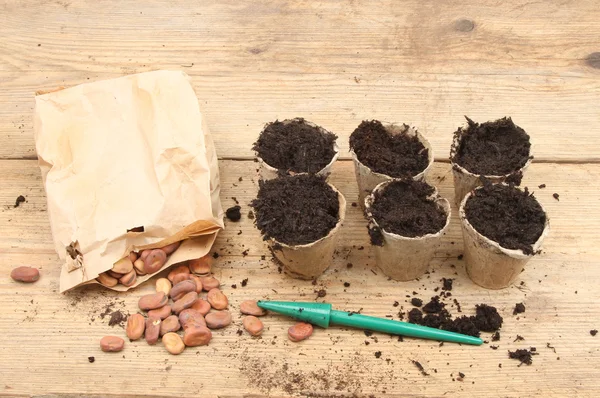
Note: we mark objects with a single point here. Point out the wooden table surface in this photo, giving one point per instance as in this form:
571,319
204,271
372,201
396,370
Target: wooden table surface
425,63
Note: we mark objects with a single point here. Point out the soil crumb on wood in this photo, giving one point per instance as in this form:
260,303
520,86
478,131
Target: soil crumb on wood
519,308
593,332
295,146
486,319
491,148
404,208
117,318
420,367
399,155
507,215
296,210
20,199
523,355
556,196
417,302
233,213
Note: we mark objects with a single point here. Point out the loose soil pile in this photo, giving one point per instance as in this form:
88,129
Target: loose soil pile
491,148
296,210
403,208
486,318
295,146
397,155
507,215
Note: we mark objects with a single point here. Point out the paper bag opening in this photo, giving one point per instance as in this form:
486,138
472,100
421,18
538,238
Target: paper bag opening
127,164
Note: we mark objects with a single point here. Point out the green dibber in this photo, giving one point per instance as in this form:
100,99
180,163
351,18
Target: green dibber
321,314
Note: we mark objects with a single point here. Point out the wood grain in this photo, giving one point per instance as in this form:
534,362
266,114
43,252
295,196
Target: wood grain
45,328
335,63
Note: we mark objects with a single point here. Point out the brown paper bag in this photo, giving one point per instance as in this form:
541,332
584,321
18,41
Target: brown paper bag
121,154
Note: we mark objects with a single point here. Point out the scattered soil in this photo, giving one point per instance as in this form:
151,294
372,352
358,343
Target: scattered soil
523,355
507,215
403,208
117,318
496,336
491,148
434,306
542,186
311,214
399,155
417,302
556,196
486,319
20,199
593,332
420,367
233,213
447,284
519,308
91,359
295,146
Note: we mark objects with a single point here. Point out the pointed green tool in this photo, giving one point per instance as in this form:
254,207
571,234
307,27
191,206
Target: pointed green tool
321,314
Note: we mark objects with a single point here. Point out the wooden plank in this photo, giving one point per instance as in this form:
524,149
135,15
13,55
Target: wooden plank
49,336
335,63
28,228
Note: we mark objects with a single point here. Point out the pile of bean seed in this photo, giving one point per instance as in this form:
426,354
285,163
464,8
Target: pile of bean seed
126,270
187,311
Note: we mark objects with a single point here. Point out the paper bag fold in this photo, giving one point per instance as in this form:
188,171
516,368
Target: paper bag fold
124,155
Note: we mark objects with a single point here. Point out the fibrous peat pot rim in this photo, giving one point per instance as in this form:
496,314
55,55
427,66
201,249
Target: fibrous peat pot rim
395,128
514,253
341,217
442,203
268,172
456,141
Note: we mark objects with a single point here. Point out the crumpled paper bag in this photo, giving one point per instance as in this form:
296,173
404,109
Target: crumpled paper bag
124,155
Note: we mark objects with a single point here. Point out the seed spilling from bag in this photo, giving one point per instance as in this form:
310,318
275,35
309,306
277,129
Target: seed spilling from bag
196,336
191,317
139,267
111,344
173,343
152,330
107,280
253,325
136,324
123,266
161,312
169,249
154,261
209,282
202,265
170,324
300,331
197,281
218,320
129,278
163,285
182,288
25,274
202,306
185,302
217,299
249,307
181,269
152,301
